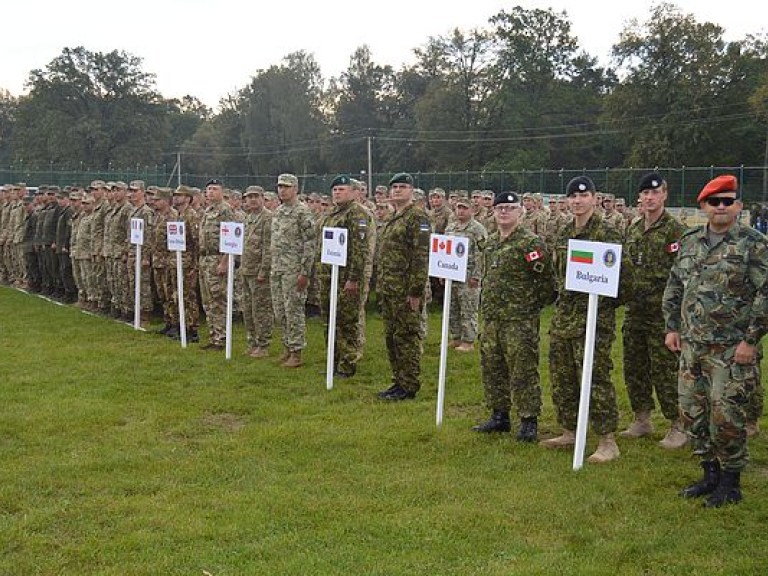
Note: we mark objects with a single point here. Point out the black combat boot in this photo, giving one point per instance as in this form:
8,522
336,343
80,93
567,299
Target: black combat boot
727,492
164,330
498,422
173,332
529,430
706,485
193,336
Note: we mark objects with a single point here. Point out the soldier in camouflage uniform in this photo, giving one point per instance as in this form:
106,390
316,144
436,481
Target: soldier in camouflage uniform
213,265
465,295
533,219
401,286
115,249
716,311
182,203
517,283
353,278
650,248
16,235
52,285
144,212
163,261
293,249
62,247
255,264
5,243
566,351
100,293
612,216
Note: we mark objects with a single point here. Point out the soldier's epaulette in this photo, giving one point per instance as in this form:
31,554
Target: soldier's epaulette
691,231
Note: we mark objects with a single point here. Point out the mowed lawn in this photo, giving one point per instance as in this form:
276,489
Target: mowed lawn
123,454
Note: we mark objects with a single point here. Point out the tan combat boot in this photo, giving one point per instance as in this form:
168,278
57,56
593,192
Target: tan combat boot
565,440
676,436
753,429
640,427
453,343
293,361
259,353
607,450
285,355
465,347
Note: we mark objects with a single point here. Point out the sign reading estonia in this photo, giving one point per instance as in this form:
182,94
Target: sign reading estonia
448,257
593,267
334,246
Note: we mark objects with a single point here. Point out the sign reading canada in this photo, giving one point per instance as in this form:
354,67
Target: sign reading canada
448,257
593,267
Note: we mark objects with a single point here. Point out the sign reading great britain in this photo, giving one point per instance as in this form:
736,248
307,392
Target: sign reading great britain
448,257
593,267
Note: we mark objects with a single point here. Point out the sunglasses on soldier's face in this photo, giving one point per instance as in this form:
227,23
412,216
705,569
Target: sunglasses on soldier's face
717,201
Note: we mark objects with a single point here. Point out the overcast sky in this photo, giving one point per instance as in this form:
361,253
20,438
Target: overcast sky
210,48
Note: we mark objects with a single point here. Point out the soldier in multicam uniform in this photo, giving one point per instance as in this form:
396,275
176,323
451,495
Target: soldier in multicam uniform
566,352
144,212
16,235
83,254
533,219
401,286
213,265
465,295
293,248
182,203
27,243
100,290
163,261
517,283
255,264
360,197
716,311
649,250
612,216
5,243
115,249
353,278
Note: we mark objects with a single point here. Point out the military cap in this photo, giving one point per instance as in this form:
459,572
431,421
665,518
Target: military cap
120,185
325,199
96,184
401,178
527,196
62,193
506,198
236,194
341,180
462,199
87,199
437,192
253,191
110,185
287,180
183,190
75,195
580,184
163,194
269,194
538,197
137,185
609,196
418,194
55,189
195,190
356,184
621,202
456,194
151,189
487,194
381,189
649,181
723,183
27,199
214,182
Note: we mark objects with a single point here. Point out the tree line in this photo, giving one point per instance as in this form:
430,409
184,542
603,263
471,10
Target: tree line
517,94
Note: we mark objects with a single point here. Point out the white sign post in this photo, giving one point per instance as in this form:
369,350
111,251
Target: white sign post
448,257
335,242
230,243
177,242
594,268
137,239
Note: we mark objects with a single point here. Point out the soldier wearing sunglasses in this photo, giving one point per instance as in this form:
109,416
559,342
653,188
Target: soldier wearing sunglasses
716,311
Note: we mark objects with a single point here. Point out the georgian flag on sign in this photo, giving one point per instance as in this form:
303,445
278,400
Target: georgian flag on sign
674,247
531,256
441,246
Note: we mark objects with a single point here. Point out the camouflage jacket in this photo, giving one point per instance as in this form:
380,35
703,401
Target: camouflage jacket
646,259
148,215
74,235
476,234
30,227
161,256
293,240
570,317
719,295
403,266
359,226
97,227
257,258
63,229
209,227
440,218
84,236
191,221
116,222
50,220
17,222
517,279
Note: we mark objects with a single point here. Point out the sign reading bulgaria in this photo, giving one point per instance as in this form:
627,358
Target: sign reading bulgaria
593,267
448,257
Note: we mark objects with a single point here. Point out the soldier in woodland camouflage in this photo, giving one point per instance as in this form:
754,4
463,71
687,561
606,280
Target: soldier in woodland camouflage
465,295
716,311
293,249
353,278
401,286
567,331
255,264
517,283
649,250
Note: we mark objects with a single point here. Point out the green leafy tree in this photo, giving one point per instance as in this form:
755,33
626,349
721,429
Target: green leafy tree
8,106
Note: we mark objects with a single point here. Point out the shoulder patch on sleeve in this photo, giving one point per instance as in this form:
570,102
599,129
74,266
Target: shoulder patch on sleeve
531,256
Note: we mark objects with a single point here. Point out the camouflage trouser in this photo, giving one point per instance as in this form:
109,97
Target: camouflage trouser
314,289
165,285
100,295
67,276
755,404
288,304
347,350
463,319
145,288
714,391
213,293
5,272
402,333
191,294
258,316
81,269
509,359
116,275
566,356
648,364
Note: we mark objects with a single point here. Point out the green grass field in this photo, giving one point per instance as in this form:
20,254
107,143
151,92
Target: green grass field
123,454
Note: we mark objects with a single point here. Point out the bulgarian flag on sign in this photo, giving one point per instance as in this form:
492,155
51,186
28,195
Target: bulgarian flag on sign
582,256
441,246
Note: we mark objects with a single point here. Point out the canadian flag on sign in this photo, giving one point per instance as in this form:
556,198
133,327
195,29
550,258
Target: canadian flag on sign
441,246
